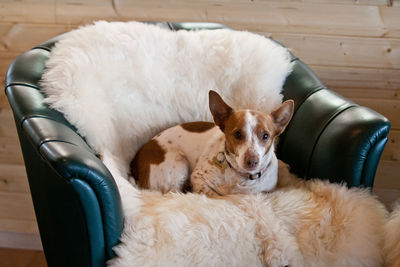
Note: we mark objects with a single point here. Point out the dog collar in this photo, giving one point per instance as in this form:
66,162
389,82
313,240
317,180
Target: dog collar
221,158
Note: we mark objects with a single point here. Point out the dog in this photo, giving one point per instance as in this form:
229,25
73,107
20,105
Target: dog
235,154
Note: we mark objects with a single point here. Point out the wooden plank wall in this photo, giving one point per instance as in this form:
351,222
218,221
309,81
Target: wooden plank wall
353,45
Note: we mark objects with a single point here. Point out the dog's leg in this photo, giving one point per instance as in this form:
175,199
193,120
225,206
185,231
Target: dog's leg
157,167
206,179
199,184
172,174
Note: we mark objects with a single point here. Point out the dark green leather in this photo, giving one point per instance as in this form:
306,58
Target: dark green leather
329,136
77,203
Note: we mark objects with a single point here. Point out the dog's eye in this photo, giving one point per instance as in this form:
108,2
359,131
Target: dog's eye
265,136
238,135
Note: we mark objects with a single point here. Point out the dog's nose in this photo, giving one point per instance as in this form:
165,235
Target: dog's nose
252,162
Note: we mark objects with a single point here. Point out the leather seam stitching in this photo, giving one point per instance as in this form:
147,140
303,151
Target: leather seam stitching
300,103
22,84
42,47
326,124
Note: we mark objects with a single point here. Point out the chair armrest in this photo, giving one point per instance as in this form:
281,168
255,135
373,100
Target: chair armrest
330,137
76,201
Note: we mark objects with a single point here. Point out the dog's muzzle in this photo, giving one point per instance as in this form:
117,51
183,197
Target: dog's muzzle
221,158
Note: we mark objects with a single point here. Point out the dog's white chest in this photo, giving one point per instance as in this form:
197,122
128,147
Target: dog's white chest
213,171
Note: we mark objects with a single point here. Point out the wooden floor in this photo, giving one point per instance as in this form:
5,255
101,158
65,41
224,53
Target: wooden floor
22,258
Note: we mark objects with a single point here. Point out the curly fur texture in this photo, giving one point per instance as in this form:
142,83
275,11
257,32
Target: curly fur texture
303,223
121,83
392,238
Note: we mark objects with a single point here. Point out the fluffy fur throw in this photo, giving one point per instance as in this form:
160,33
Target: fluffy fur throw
303,223
121,83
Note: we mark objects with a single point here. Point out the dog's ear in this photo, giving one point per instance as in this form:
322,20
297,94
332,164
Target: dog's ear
219,109
282,115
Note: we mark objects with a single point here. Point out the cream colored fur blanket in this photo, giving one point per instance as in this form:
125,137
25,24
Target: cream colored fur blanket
121,83
303,223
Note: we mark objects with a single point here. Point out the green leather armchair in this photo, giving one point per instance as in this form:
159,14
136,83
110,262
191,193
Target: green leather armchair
76,201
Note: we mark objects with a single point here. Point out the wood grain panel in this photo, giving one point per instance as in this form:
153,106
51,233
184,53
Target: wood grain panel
387,196
392,149
354,93
388,175
16,206
10,151
13,178
21,241
340,51
71,12
6,58
32,11
22,258
18,225
7,125
389,108
363,78
320,17
23,36
374,18
344,2
4,27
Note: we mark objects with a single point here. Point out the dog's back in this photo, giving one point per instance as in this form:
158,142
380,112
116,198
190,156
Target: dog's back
166,162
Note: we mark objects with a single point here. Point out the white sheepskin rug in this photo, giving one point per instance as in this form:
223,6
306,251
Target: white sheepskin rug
121,83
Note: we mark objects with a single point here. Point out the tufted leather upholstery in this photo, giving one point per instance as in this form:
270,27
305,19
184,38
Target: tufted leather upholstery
76,200
77,203
330,137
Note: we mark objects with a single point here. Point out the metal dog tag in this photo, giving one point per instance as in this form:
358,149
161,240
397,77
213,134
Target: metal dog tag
219,162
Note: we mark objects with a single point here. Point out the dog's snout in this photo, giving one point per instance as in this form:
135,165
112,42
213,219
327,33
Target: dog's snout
251,161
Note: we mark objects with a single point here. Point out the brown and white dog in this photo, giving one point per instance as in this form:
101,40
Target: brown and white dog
234,155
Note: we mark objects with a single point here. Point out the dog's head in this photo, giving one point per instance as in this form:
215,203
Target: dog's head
249,134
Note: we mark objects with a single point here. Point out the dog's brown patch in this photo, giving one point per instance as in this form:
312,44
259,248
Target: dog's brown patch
264,124
219,109
282,116
150,154
198,127
235,122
